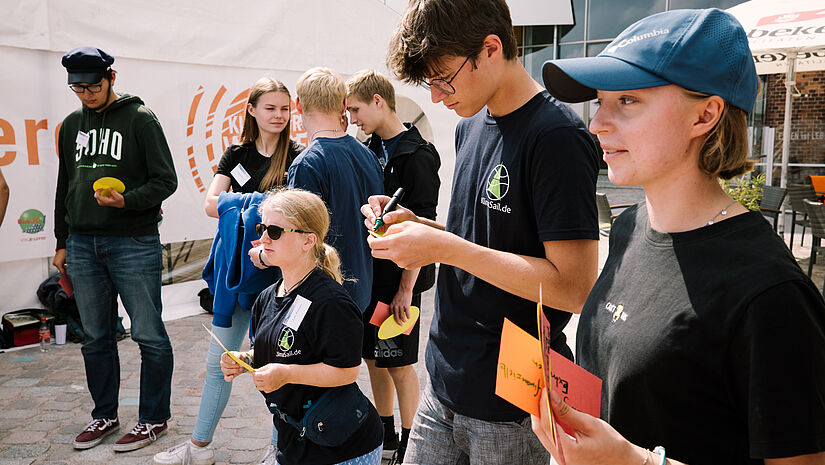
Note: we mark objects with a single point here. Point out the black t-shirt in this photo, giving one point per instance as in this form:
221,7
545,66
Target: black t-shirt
330,333
255,165
388,149
709,342
520,180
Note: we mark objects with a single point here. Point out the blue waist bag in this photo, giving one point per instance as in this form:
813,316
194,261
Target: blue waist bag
333,418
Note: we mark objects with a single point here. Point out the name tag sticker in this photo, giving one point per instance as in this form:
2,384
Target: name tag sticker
240,174
297,312
82,139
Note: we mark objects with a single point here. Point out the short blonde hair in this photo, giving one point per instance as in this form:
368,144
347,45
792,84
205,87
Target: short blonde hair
321,90
366,83
724,154
309,213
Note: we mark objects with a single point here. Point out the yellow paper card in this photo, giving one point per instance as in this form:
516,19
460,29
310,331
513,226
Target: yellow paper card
236,359
544,338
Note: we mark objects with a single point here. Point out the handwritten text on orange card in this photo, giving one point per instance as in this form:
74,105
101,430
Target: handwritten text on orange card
519,378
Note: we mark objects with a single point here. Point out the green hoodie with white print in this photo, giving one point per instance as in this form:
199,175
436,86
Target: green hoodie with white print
126,142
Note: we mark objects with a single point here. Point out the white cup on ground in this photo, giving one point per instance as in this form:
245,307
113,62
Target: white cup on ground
60,333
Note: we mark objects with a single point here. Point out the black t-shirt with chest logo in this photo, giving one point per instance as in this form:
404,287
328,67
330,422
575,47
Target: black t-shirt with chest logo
329,332
709,342
520,179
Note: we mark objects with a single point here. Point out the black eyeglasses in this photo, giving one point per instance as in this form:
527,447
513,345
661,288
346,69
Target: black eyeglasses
78,89
444,85
273,231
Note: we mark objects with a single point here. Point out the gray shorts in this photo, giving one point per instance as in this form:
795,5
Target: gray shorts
441,436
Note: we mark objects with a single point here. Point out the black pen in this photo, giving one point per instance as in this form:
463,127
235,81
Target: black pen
390,207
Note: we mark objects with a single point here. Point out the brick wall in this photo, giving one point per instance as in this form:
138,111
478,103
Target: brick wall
807,121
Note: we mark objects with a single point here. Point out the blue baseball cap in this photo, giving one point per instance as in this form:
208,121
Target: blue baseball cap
86,64
704,51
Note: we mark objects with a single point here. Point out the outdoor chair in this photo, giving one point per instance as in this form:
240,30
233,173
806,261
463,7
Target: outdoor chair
819,184
771,203
797,194
816,215
606,215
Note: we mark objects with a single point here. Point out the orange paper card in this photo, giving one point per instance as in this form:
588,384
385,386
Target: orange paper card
381,313
519,376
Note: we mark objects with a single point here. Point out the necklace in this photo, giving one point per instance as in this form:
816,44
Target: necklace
722,212
292,288
334,131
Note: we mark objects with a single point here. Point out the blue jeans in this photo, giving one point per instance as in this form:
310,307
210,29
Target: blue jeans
216,391
101,268
370,458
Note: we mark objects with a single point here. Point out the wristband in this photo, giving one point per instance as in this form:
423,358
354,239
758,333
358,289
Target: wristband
661,451
261,259
247,358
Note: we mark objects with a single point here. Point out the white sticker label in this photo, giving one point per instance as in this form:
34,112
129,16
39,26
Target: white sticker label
82,139
297,312
240,174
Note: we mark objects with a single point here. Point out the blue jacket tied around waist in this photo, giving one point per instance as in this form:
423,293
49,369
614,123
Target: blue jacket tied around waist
229,273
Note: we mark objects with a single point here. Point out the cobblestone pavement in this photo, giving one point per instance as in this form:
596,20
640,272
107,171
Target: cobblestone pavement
44,402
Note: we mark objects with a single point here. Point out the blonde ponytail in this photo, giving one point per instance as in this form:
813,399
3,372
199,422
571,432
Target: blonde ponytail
328,260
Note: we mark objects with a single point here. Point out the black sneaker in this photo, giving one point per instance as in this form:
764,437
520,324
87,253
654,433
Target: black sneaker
391,443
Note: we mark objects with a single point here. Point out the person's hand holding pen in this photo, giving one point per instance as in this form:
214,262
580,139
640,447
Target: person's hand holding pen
408,240
372,211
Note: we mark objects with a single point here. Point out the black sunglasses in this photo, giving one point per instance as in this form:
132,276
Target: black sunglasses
273,231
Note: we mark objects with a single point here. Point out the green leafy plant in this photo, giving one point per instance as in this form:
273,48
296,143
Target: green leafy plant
745,190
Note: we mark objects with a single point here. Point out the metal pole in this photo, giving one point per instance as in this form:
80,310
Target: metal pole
786,130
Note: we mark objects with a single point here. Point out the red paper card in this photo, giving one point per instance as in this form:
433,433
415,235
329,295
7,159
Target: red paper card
381,313
579,388
66,284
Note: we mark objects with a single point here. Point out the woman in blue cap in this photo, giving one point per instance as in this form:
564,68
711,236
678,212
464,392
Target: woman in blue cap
708,337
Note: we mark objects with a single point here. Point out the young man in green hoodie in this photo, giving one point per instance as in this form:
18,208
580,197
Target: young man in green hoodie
114,170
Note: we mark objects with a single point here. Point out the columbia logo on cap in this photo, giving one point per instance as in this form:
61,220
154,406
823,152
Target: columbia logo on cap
636,38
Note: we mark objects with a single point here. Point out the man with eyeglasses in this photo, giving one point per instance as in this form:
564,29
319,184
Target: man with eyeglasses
522,215
114,170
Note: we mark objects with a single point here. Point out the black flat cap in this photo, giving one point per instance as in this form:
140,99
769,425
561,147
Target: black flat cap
86,64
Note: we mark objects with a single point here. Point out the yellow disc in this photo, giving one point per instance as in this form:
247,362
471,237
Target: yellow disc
389,328
109,182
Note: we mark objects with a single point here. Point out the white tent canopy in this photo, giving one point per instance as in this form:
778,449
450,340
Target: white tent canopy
191,61
785,36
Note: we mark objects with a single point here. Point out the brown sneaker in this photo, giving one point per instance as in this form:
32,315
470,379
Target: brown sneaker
141,435
95,432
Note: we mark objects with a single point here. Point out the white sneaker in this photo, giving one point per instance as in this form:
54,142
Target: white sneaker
186,454
270,457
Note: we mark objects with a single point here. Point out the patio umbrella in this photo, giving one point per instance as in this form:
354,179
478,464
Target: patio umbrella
785,36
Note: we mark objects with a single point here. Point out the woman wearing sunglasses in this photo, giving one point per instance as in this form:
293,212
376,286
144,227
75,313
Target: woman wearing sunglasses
707,335
256,165
306,334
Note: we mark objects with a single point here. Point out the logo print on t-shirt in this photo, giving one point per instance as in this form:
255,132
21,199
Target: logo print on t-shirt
286,338
498,183
617,311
